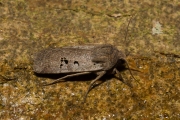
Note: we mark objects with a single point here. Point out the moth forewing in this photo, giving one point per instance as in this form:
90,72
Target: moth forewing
65,60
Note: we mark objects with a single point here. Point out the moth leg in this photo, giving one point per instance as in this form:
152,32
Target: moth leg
131,72
6,78
67,76
93,82
119,74
121,78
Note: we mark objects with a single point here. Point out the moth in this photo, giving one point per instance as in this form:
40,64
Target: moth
99,59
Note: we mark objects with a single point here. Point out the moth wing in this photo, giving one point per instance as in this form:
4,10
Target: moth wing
66,60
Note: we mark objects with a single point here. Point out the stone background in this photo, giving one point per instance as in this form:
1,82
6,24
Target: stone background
151,42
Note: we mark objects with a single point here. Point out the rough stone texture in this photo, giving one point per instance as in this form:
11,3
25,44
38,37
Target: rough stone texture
152,46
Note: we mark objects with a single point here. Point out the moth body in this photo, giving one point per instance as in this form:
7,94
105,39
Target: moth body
79,60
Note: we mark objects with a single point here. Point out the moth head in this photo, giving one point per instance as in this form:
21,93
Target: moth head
122,63
121,55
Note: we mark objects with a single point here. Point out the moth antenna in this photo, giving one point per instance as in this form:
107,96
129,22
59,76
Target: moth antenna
128,26
130,71
125,40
